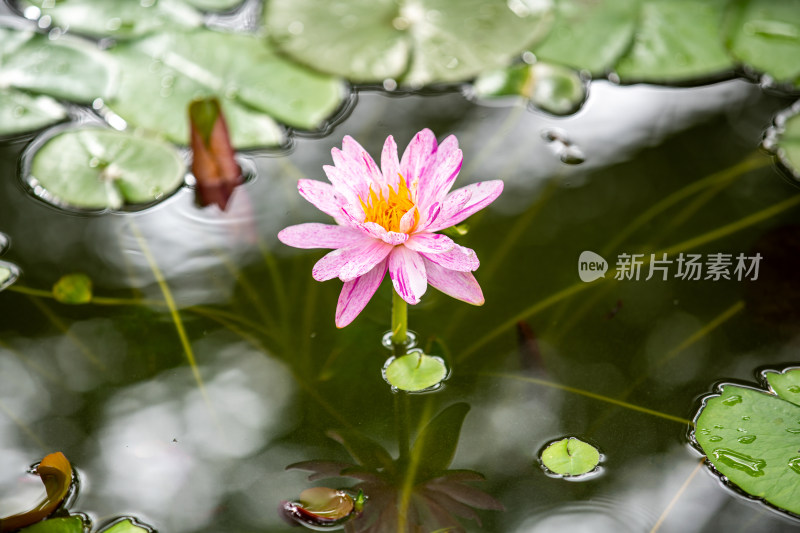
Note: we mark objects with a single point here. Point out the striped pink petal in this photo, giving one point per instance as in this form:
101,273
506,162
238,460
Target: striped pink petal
460,285
357,293
322,196
407,271
441,173
315,235
390,165
351,262
457,258
430,243
418,155
480,195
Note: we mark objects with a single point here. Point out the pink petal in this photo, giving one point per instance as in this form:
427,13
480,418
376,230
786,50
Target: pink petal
351,262
408,220
430,243
407,271
323,196
418,154
350,171
357,293
482,194
440,175
342,183
389,163
368,167
460,285
315,235
451,206
457,258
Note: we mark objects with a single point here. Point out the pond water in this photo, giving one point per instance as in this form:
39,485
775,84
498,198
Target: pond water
186,415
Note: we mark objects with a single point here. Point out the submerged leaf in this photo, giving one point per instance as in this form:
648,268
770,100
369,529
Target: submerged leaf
753,439
436,444
419,42
213,159
570,457
163,73
56,474
73,289
362,449
97,168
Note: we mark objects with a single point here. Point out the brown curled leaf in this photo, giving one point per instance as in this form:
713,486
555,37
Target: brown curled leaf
56,474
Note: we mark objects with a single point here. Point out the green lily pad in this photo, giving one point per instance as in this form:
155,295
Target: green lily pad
96,168
65,67
590,35
21,112
786,384
415,372
553,88
163,73
418,42
120,18
765,34
71,524
786,142
677,40
73,289
570,457
753,438
126,525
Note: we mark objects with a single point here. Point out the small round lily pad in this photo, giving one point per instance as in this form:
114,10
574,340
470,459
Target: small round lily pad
73,289
415,372
97,168
570,457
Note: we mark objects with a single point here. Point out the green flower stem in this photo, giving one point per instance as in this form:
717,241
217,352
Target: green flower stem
399,320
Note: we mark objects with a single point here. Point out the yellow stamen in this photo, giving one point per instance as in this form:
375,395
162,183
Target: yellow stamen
388,212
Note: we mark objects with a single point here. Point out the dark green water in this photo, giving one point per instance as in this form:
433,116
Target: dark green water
110,384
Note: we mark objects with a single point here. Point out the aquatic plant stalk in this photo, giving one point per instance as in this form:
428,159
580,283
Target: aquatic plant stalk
399,320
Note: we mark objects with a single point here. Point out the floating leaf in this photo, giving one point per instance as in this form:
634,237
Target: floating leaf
321,507
415,372
436,444
126,525
590,35
96,168
753,439
56,474
213,158
677,40
553,88
214,5
66,67
765,34
162,74
120,18
71,524
21,112
73,289
786,384
570,457
420,42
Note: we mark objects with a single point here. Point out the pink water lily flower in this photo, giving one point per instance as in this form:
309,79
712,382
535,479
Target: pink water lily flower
387,219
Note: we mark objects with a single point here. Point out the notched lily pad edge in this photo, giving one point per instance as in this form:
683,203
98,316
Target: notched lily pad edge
597,471
762,386
772,139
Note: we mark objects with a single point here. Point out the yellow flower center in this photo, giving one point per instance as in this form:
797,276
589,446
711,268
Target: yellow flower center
388,211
